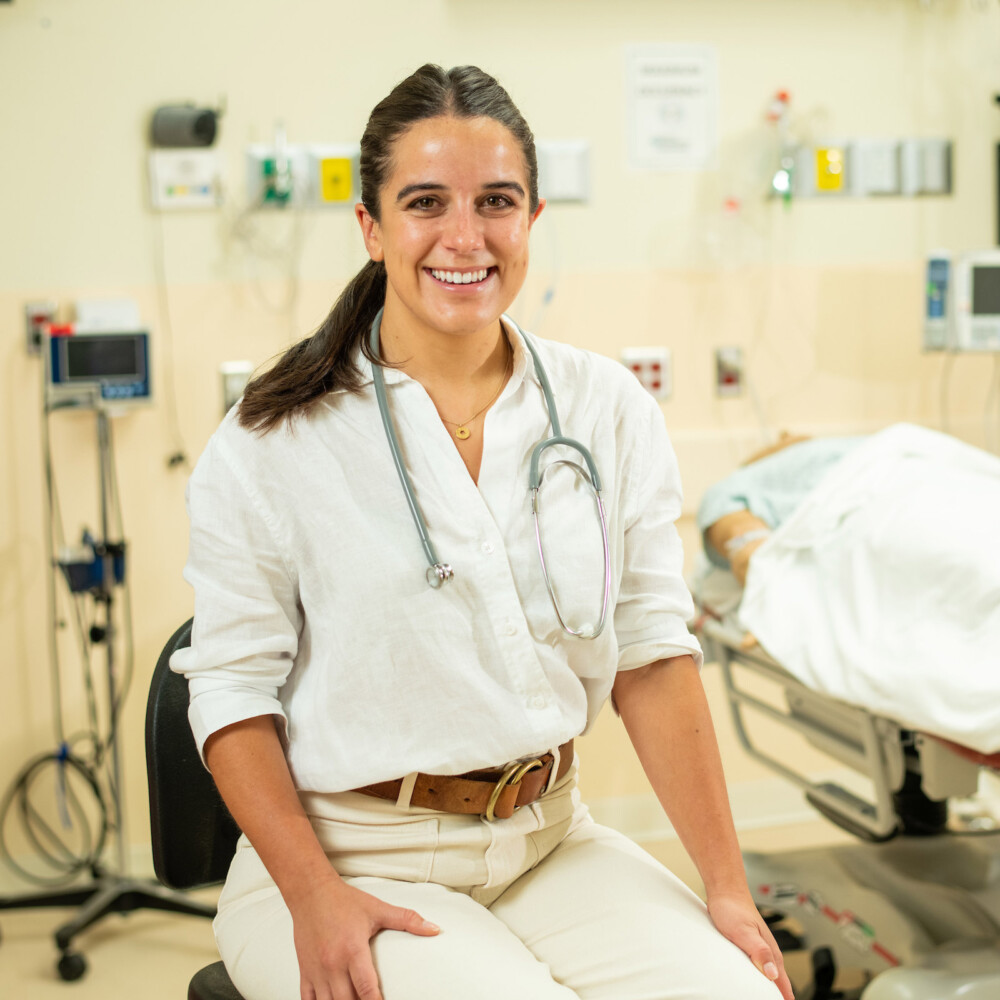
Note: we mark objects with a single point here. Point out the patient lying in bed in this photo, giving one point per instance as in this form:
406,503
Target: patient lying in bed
872,573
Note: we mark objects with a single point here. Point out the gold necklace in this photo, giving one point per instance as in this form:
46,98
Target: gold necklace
462,431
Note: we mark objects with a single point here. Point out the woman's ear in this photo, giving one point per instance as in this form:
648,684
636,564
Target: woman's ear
370,231
537,212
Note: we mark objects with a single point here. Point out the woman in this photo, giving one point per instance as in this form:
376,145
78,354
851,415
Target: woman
399,755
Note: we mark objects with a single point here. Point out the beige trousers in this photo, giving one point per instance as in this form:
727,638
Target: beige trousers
546,905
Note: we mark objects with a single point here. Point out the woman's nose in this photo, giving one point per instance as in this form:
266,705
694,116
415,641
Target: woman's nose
463,231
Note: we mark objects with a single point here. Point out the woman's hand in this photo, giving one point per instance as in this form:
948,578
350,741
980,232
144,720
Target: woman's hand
738,919
334,924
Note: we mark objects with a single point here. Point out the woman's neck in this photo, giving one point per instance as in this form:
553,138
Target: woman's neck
439,360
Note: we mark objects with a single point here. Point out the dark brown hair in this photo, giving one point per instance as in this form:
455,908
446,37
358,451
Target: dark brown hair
325,361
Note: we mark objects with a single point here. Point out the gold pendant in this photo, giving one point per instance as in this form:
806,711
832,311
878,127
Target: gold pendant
462,432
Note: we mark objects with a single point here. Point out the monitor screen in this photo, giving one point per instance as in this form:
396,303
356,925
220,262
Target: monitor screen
95,357
986,290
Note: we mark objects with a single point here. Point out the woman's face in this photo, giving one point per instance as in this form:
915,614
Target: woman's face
455,218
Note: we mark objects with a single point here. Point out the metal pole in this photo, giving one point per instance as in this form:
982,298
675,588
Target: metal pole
107,588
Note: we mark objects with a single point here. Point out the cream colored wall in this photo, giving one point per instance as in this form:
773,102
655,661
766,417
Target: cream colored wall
823,297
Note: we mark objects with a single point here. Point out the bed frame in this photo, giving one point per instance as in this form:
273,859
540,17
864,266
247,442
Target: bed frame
914,908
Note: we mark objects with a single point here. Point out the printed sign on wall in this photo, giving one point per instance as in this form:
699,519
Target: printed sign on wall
671,103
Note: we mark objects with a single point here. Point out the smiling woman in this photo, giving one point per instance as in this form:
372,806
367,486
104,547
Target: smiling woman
452,231
400,758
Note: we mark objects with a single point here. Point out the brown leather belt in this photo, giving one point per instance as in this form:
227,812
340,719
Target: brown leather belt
492,794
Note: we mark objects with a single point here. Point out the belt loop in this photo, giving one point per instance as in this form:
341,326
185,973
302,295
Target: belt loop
406,790
554,772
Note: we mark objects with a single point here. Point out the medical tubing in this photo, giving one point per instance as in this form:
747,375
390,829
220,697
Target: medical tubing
535,478
56,854
543,378
390,433
535,488
167,363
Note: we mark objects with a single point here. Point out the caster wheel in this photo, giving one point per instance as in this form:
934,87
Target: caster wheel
71,966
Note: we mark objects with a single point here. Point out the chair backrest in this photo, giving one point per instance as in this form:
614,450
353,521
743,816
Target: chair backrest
193,835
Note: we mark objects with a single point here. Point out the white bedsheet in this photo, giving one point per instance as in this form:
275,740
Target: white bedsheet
883,588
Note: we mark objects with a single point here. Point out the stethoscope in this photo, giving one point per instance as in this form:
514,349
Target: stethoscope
439,572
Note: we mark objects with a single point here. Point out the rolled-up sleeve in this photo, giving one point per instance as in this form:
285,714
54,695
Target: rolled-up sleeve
247,618
654,604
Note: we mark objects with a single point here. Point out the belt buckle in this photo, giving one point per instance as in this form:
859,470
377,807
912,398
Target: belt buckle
512,776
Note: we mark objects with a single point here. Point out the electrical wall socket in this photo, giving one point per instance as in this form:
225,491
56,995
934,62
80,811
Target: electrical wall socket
729,371
652,367
37,316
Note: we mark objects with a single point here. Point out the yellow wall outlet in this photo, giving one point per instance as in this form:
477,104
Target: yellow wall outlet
336,179
831,168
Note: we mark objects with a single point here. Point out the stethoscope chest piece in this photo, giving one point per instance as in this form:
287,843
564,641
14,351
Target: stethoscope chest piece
438,574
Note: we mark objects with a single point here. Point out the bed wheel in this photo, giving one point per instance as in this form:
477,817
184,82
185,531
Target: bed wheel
824,974
785,938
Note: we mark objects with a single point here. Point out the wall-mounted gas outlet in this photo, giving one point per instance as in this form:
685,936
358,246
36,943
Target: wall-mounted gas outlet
651,366
234,376
276,175
728,371
37,316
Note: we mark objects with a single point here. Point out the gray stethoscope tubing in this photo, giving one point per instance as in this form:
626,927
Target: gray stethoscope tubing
438,572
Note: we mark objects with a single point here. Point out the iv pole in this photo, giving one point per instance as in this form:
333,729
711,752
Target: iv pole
107,891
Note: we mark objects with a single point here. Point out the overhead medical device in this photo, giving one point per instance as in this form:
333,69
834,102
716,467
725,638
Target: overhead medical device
92,370
962,301
439,572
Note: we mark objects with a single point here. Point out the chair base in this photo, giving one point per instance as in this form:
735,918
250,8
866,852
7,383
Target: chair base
212,983
105,894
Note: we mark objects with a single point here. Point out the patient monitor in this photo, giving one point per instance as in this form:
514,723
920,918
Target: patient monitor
96,370
962,301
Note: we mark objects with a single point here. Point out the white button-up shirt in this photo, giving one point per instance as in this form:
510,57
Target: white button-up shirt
311,602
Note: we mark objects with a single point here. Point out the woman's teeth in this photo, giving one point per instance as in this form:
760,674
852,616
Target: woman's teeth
458,278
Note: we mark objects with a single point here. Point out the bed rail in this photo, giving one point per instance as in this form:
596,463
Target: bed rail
867,743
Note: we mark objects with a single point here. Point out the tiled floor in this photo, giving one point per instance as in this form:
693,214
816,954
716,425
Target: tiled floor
151,956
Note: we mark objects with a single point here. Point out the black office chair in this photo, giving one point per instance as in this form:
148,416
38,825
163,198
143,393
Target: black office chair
193,835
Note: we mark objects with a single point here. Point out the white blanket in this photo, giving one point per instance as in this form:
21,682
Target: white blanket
883,588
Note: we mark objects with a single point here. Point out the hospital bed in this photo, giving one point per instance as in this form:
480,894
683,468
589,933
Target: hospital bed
914,906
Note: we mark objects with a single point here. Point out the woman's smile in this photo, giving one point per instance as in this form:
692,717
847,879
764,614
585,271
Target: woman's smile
457,278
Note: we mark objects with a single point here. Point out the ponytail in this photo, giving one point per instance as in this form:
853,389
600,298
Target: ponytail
320,363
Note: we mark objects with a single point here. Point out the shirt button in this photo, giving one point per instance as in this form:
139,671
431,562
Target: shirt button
488,548
538,701
510,628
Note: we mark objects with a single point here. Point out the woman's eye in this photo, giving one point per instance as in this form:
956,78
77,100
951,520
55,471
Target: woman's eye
424,203
497,201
